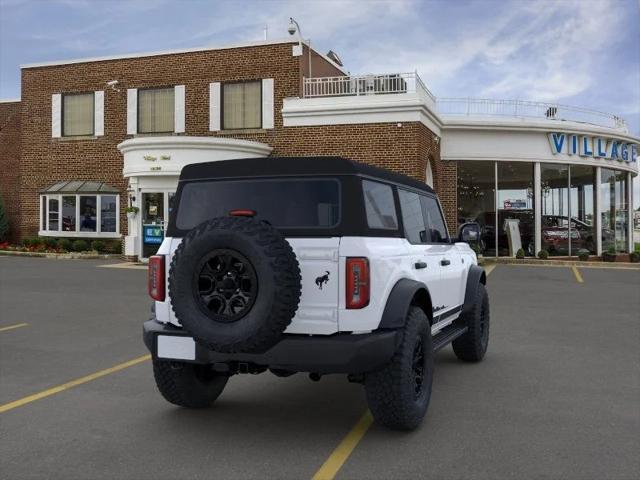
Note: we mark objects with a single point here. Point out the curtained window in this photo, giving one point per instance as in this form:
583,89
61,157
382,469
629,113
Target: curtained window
77,114
242,105
156,109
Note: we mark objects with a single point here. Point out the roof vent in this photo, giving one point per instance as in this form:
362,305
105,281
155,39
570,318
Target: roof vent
334,58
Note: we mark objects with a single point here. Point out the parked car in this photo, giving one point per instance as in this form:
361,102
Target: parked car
319,265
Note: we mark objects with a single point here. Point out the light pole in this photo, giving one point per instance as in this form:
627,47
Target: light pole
293,28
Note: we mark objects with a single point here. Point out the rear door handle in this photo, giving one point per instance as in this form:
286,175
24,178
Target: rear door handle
445,262
419,265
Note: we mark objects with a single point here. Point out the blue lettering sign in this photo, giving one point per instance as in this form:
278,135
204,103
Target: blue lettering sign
614,150
557,142
586,148
573,146
634,153
624,153
601,150
152,234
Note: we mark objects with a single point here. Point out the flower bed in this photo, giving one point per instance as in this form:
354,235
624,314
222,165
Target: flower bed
48,245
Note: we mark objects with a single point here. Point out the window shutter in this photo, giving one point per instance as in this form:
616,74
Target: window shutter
179,99
214,106
267,103
56,115
132,111
98,111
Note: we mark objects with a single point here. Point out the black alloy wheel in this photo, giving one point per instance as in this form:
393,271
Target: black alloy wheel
225,285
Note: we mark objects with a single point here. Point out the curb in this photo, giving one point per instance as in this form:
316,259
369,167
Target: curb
64,256
561,263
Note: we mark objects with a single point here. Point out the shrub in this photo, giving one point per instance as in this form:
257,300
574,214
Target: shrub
520,253
80,246
65,244
98,245
583,254
611,250
49,242
634,257
4,223
113,246
543,254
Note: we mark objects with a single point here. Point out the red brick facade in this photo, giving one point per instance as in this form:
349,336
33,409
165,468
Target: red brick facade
46,160
10,163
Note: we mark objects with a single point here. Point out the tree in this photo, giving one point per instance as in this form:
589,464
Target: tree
4,222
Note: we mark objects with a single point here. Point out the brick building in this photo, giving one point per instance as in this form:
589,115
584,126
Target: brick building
91,137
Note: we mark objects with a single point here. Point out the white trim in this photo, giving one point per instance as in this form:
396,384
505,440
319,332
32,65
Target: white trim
630,213
267,103
393,108
63,234
156,53
10,100
132,111
56,115
214,107
179,108
598,212
98,113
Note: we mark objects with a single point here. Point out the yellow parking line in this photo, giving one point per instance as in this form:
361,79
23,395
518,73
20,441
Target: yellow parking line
335,461
577,274
73,383
11,327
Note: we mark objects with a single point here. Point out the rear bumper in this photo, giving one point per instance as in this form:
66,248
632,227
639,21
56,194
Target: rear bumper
339,353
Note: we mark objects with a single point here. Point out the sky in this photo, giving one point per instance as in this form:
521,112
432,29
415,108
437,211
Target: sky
577,52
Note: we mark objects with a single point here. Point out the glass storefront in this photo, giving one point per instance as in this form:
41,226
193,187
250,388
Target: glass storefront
516,222
477,200
614,210
568,202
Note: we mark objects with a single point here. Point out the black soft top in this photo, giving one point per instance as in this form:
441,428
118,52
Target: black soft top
293,166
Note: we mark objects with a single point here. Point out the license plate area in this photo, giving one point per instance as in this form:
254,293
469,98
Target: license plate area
176,348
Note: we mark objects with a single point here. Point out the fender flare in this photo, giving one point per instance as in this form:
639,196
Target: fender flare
475,277
401,298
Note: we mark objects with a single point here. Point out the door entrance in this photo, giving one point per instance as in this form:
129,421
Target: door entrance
154,216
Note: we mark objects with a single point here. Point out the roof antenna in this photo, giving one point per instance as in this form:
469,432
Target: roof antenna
266,32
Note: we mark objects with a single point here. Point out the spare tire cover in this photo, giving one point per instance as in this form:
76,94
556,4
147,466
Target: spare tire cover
234,284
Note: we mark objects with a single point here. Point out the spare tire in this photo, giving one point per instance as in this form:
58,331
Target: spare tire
234,284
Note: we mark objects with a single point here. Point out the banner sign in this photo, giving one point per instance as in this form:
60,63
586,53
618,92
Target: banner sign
152,234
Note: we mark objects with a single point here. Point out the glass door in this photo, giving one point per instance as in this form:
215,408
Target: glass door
153,222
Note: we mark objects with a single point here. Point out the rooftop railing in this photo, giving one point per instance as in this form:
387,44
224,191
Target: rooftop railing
525,109
356,85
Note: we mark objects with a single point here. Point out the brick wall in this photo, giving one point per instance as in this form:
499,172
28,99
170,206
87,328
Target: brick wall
10,163
45,161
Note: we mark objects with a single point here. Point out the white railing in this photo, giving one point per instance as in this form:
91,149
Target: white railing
527,109
355,85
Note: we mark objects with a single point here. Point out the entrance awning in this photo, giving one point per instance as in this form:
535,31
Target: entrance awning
79,187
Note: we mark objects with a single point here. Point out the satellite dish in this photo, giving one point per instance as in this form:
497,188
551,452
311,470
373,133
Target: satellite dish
334,57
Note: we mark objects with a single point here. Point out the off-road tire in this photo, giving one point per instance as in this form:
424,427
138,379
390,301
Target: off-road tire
472,345
187,384
391,391
277,275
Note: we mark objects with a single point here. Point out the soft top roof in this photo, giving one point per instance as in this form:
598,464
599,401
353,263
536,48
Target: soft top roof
293,166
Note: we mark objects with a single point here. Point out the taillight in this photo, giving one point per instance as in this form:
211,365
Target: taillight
357,282
156,277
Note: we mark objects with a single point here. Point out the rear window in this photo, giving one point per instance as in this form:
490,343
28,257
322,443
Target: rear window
285,203
379,205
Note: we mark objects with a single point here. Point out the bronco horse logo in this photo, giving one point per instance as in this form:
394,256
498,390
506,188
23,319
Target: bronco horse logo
322,279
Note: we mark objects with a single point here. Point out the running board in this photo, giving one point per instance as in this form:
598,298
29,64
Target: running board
447,335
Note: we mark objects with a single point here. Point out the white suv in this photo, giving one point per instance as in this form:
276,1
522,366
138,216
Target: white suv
319,265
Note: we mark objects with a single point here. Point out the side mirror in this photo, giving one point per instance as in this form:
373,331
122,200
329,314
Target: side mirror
469,233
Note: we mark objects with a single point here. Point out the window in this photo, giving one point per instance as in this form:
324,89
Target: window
379,205
88,213
433,218
53,213
80,215
78,114
108,215
242,105
316,202
156,110
69,213
412,218
614,210
477,200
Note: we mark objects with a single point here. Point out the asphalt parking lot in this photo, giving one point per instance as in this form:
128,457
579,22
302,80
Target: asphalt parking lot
558,395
